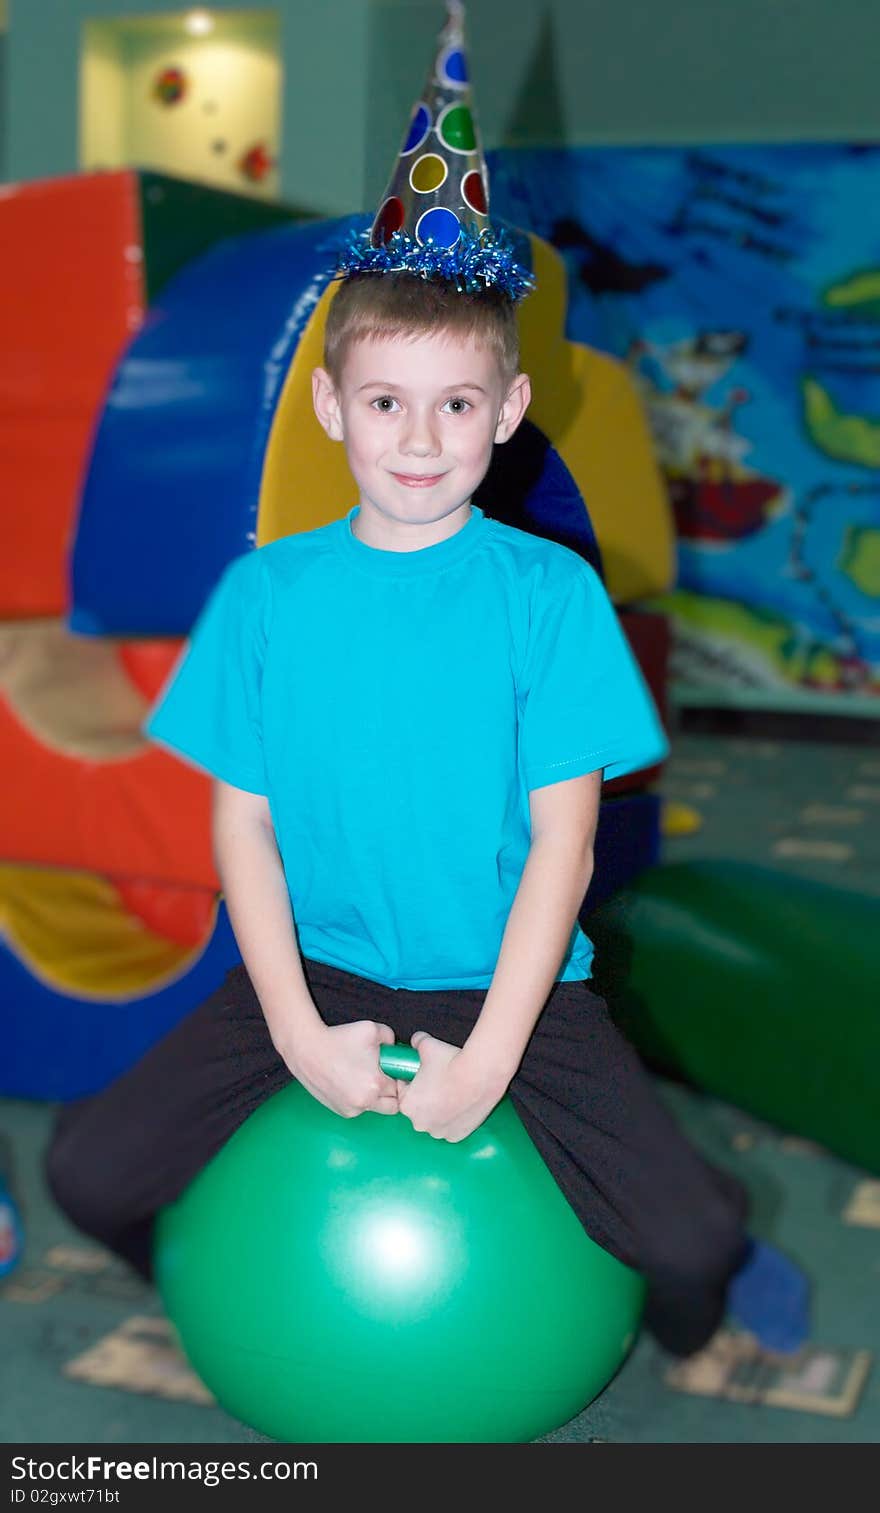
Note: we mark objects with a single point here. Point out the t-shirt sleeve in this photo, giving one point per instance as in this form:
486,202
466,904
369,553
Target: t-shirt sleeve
209,709
586,704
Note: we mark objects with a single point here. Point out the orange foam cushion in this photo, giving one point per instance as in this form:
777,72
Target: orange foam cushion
147,816
71,295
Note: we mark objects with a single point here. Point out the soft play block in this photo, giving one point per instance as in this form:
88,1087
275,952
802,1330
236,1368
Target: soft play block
183,435
627,841
84,788
80,258
180,220
146,815
756,986
71,294
60,1042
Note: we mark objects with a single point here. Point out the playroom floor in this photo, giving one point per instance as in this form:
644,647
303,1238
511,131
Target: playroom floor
85,1354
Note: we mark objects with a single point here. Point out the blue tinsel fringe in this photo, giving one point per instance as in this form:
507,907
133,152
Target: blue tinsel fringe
479,260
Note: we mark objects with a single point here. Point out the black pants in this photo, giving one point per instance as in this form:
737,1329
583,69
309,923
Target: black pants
639,1188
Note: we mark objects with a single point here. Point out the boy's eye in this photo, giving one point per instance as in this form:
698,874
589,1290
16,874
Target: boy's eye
457,406
386,403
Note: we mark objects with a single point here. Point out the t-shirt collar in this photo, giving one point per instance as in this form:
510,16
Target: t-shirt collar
427,559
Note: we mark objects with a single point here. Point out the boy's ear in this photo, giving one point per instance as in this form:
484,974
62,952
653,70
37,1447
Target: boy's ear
326,402
514,407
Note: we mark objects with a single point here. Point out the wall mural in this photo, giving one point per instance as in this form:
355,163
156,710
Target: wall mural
742,287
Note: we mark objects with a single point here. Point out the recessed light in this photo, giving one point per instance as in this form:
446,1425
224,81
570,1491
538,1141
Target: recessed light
199,23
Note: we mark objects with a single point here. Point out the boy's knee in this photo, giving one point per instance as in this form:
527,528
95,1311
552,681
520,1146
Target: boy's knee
701,1253
94,1183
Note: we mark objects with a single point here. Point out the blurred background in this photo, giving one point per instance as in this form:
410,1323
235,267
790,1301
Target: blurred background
695,185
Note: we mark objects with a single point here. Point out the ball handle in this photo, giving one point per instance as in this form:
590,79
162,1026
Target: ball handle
399,1060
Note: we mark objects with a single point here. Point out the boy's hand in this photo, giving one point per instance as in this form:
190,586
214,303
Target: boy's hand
339,1064
451,1094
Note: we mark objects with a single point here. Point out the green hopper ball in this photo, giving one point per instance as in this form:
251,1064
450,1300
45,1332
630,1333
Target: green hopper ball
339,1280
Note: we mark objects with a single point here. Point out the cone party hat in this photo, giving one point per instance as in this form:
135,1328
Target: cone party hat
433,219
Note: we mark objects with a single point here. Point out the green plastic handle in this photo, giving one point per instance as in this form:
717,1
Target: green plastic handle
400,1061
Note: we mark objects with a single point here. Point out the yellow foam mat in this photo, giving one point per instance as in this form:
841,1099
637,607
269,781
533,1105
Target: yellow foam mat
306,482
73,932
585,403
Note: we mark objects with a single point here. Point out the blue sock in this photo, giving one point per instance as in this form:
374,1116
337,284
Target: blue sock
769,1296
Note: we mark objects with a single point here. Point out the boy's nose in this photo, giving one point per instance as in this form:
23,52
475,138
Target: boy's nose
420,439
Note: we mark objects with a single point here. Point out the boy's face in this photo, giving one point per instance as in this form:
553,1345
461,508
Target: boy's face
418,419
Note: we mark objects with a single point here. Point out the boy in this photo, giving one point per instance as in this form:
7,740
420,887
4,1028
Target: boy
408,714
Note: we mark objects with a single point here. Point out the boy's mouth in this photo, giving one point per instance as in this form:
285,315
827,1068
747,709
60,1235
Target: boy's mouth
418,480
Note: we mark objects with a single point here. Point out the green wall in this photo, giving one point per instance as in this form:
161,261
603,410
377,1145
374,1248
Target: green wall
564,70
2,106
4,9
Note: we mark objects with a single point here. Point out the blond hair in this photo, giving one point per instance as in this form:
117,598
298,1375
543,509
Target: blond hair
404,305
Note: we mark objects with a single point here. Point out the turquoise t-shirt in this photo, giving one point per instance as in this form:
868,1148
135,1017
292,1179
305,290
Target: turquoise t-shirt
396,708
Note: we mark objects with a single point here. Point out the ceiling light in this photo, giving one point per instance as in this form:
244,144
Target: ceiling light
199,23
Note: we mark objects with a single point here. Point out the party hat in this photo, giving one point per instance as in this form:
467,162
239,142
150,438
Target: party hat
433,218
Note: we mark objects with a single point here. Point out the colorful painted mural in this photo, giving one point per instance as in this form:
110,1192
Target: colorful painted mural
741,285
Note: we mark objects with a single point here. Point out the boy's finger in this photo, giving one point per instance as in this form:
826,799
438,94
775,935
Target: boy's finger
386,1105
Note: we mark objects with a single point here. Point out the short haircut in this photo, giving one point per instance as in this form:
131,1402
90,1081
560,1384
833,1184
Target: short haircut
368,305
